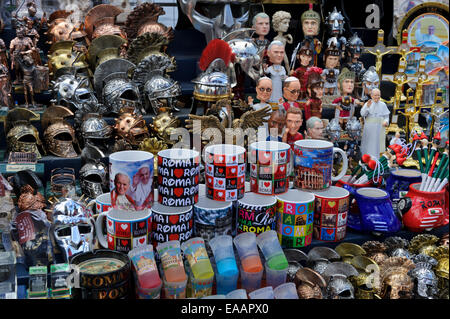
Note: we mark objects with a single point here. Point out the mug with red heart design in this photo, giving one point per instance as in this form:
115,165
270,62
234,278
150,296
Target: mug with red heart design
225,172
178,175
331,210
269,164
125,230
171,223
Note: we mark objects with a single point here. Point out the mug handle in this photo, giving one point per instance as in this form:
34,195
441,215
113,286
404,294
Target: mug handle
344,166
99,229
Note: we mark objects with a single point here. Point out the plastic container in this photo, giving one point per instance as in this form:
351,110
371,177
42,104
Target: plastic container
248,252
172,261
286,291
272,251
262,293
251,280
143,259
275,277
195,252
237,294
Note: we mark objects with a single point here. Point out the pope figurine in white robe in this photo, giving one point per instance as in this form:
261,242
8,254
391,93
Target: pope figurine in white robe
376,119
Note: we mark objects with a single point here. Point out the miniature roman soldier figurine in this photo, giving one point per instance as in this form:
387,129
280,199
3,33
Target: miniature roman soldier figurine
314,84
330,74
345,104
310,20
18,46
355,47
5,87
304,56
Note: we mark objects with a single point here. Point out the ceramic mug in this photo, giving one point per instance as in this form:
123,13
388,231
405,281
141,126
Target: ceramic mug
125,230
131,180
171,223
256,213
331,213
295,215
178,174
269,165
212,218
225,172
313,164
102,202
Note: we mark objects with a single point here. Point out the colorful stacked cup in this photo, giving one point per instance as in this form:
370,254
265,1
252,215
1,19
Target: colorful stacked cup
251,267
269,162
225,172
227,271
295,215
178,175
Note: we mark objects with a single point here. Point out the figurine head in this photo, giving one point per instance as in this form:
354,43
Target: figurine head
31,7
305,54
291,89
277,121
355,46
264,89
370,80
281,20
335,23
261,24
314,83
314,128
310,22
332,54
375,95
294,120
346,81
276,52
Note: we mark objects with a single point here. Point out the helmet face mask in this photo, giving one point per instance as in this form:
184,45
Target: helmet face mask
335,23
73,227
24,138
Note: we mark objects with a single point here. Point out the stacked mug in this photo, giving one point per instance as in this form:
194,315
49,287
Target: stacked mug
313,165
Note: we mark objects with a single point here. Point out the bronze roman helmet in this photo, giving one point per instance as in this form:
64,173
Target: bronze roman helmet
21,135
59,135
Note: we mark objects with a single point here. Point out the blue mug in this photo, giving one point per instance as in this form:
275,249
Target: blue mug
376,213
397,184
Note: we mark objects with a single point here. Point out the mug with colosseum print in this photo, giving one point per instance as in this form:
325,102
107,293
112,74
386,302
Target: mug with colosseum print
313,164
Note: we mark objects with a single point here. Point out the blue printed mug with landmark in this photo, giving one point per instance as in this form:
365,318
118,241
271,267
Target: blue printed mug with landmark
313,163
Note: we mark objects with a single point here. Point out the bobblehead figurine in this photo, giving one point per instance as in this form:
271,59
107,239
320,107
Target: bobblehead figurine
276,72
376,119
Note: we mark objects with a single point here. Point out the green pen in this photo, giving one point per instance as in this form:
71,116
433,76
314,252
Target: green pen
419,157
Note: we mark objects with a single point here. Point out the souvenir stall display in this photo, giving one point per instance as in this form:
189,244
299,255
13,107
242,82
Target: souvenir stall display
252,152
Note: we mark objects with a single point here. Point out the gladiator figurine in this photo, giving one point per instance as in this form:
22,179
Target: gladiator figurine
18,46
29,72
5,86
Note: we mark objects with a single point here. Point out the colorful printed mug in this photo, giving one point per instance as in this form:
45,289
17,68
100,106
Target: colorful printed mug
256,213
178,174
295,215
102,202
171,223
125,230
212,218
225,172
313,164
330,213
131,180
269,164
